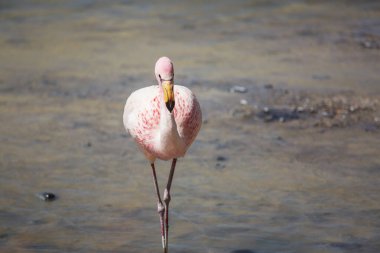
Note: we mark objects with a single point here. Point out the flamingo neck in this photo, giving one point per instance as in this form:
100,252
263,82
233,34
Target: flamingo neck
168,126
169,137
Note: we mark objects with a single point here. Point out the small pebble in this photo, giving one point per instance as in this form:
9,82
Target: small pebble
243,102
300,109
46,196
325,114
238,89
221,158
353,108
268,86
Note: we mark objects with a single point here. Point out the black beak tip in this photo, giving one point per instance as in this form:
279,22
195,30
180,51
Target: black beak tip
170,105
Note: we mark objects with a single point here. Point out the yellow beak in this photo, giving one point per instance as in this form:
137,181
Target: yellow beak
168,87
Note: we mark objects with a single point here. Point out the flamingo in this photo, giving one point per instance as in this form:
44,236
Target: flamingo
163,120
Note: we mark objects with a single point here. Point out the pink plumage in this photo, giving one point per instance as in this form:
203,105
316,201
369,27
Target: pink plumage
159,133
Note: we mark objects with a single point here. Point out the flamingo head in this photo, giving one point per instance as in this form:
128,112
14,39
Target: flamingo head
164,72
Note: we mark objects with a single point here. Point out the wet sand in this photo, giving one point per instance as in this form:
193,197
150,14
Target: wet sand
288,163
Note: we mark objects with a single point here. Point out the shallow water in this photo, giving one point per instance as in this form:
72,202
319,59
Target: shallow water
245,186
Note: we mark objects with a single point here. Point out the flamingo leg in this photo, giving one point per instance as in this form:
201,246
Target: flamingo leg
167,199
160,206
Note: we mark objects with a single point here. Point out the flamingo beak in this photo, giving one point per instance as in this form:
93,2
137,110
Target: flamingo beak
168,87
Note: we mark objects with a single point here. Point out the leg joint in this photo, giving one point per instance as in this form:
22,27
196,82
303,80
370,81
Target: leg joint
167,197
160,208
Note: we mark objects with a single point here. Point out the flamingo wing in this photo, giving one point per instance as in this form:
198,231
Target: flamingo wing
187,113
142,115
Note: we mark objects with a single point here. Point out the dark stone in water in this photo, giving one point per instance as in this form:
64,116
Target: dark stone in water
242,251
370,127
321,77
80,124
346,246
281,115
220,162
47,196
221,158
4,236
268,86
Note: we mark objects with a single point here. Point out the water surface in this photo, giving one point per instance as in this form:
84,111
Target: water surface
246,185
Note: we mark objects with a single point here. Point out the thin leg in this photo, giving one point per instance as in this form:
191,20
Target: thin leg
167,201
160,206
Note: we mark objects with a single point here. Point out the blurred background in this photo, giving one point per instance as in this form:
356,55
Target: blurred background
288,157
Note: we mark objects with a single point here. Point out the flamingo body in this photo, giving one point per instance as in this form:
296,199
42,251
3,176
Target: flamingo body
159,133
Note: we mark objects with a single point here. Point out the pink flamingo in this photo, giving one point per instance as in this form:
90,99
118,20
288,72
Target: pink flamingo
163,120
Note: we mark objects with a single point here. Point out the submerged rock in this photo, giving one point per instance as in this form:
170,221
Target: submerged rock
221,158
242,251
47,196
268,86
